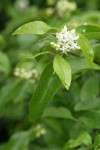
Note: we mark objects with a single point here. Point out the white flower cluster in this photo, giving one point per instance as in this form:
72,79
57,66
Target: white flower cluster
65,7
22,73
39,131
21,4
66,41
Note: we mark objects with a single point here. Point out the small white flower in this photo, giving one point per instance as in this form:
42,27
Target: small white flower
65,7
21,5
24,74
40,131
66,40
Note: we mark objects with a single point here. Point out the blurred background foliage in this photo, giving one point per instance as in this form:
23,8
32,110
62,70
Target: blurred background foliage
17,84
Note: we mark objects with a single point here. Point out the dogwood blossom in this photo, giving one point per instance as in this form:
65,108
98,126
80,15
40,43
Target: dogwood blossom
66,40
30,75
40,130
64,8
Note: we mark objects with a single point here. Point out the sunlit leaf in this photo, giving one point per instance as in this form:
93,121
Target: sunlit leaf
63,70
36,27
84,138
86,49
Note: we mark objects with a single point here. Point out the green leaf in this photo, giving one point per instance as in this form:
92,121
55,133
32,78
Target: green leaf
47,87
63,70
84,138
89,31
2,42
92,35
96,142
34,56
96,49
59,112
91,119
86,48
84,29
36,27
10,89
4,64
19,141
79,64
87,104
90,89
